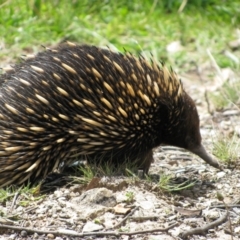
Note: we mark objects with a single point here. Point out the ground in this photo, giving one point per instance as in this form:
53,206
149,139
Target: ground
201,43
103,203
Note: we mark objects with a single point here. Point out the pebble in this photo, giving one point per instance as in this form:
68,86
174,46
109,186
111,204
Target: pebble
237,230
220,174
50,236
212,214
91,227
23,233
12,237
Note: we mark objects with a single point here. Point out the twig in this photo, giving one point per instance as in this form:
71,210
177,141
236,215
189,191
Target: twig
205,228
208,103
220,197
144,218
224,206
184,3
153,7
14,201
76,234
5,3
229,219
124,219
217,68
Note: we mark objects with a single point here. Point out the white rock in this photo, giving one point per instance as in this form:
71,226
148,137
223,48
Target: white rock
91,227
146,205
212,214
220,174
237,230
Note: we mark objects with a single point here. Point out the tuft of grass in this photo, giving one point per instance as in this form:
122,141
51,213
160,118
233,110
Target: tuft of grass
130,197
87,175
6,194
26,195
97,221
218,100
167,184
104,167
226,149
226,95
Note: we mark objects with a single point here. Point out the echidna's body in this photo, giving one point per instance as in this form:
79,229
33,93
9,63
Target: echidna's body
94,102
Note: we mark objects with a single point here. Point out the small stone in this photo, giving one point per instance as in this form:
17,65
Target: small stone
237,230
91,227
50,236
64,215
212,215
220,175
12,237
66,192
147,205
35,236
23,233
58,193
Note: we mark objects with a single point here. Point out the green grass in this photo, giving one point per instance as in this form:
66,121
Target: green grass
226,149
135,25
27,195
227,95
129,197
86,173
167,184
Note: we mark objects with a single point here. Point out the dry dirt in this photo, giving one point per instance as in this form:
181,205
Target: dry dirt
102,205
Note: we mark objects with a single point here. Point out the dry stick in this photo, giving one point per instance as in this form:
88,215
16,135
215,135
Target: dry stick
5,3
14,201
221,198
124,219
76,234
224,206
217,68
144,218
205,228
184,3
229,219
208,103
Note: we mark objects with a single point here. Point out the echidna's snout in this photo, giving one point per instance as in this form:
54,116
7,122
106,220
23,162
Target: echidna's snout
202,153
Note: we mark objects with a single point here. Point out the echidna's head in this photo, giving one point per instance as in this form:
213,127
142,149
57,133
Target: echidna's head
184,130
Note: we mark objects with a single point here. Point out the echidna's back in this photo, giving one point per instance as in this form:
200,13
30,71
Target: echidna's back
79,99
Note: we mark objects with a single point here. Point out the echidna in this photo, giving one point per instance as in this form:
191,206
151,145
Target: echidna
93,102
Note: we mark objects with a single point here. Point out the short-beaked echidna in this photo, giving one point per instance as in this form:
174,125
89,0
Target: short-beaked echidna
93,102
